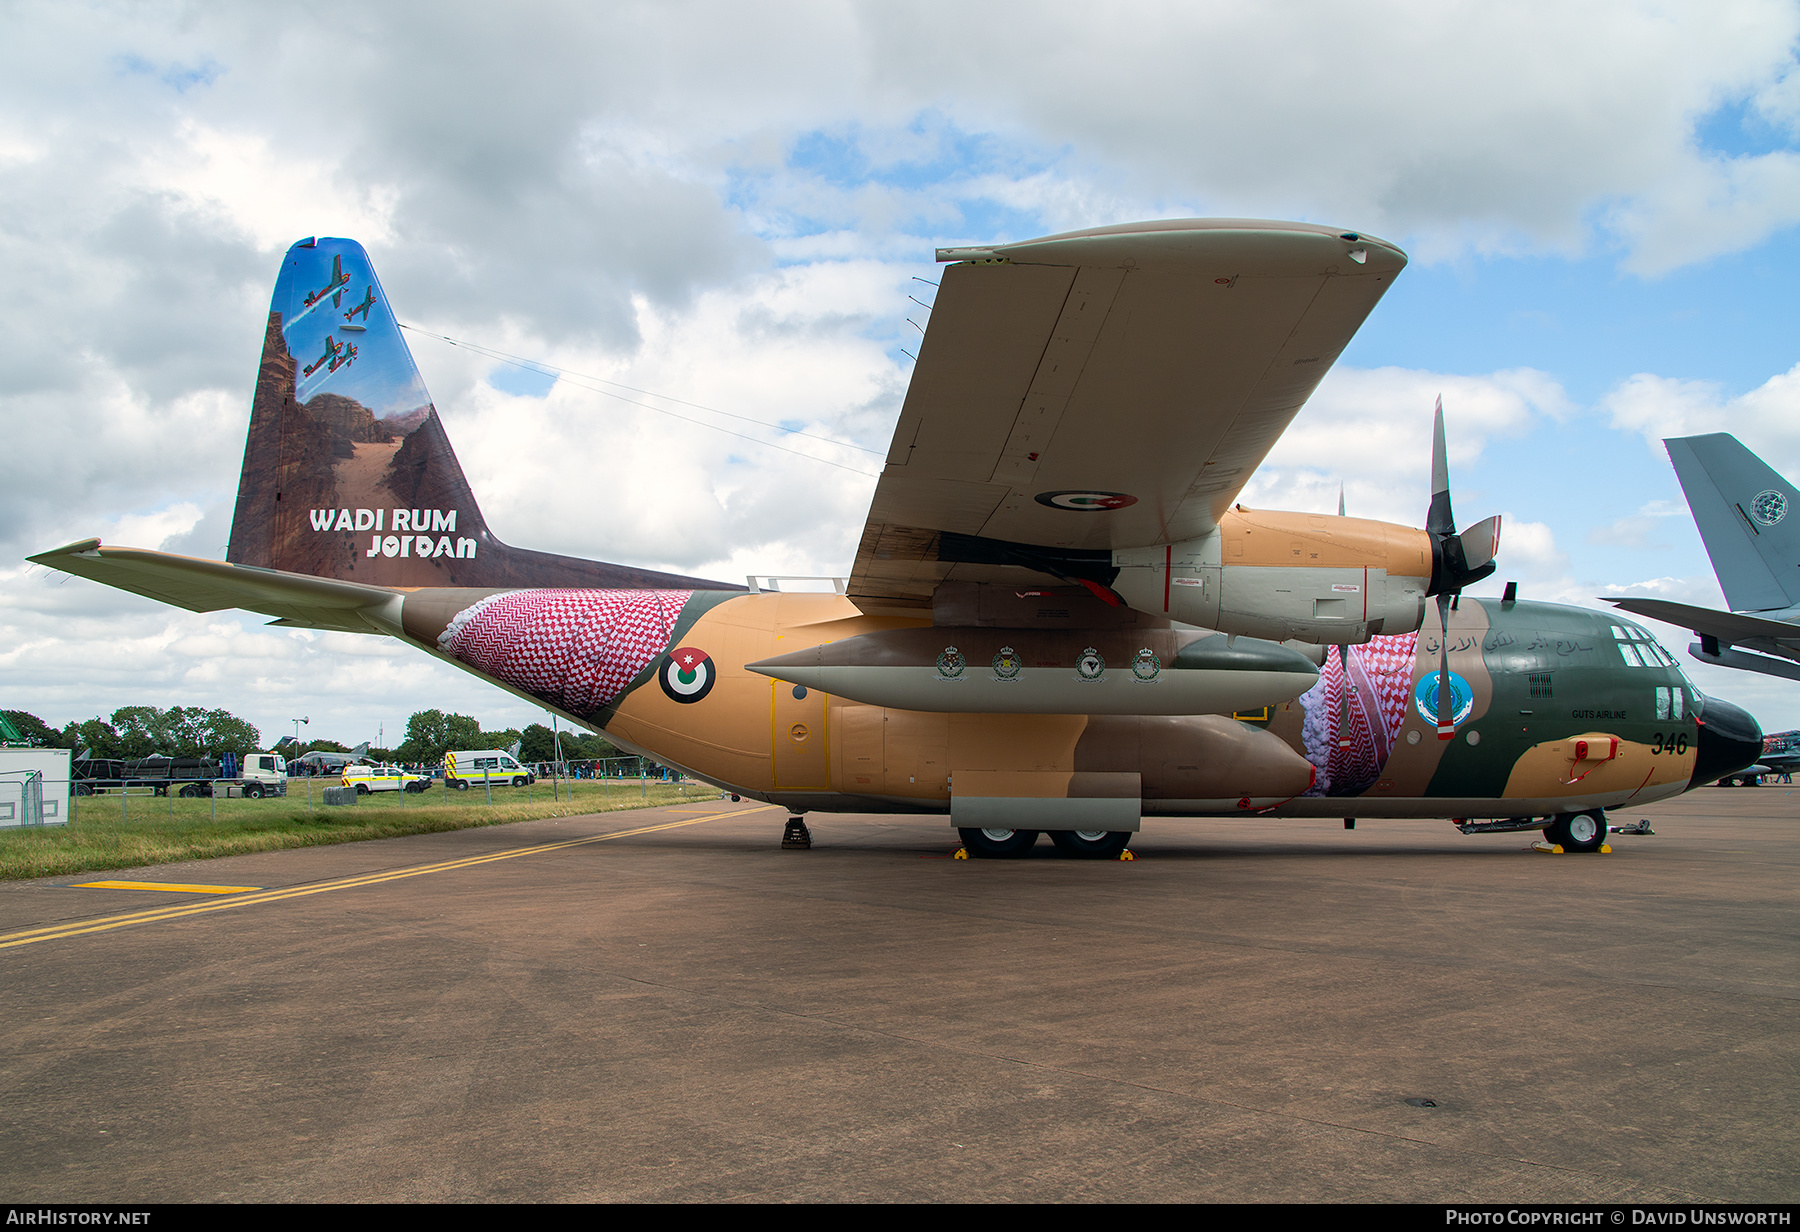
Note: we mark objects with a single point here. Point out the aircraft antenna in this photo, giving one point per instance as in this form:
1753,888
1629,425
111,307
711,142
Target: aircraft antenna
546,369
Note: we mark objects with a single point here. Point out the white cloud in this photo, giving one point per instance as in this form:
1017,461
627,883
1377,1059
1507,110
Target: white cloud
1717,205
1370,429
1766,419
1636,530
1532,557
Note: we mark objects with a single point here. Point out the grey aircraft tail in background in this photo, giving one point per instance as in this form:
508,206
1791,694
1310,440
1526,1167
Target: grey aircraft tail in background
1741,508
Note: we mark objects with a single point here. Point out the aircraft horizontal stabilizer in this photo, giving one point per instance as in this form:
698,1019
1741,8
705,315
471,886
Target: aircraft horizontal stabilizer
1726,626
209,586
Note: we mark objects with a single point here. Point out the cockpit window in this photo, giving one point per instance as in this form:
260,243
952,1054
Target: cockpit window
1639,649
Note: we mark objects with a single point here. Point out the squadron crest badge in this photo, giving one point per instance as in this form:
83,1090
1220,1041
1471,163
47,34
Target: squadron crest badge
1091,665
1146,666
950,664
1007,664
1425,698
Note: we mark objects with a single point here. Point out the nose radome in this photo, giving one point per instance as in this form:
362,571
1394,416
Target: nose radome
1730,739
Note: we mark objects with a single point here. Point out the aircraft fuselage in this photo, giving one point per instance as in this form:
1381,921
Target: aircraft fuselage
1551,715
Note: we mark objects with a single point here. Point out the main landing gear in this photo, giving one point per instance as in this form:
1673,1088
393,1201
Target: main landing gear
1577,831
1080,844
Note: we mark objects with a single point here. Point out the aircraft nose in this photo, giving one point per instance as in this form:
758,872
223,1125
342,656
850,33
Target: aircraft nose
1730,739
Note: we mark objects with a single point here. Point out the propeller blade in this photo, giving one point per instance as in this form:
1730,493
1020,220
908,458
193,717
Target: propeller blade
1456,560
1440,520
1446,706
1481,543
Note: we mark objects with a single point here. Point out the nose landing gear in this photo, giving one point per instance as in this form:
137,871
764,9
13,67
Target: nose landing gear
1583,832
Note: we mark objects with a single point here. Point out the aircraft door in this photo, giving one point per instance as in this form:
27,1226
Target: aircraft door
799,738
916,747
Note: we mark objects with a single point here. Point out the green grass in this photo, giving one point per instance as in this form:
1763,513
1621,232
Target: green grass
162,830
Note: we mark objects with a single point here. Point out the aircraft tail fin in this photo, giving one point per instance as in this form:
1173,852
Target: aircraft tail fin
1741,505
348,472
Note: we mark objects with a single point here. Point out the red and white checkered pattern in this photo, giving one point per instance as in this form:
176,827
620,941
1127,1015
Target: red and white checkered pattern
576,649
1387,665
1388,662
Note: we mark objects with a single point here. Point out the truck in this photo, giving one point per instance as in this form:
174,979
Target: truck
261,774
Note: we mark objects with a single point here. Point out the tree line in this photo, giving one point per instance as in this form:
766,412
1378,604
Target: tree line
194,731
432,733
146,731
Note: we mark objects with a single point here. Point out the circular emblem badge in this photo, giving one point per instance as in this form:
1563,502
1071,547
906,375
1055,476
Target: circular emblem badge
1425,698
686,674
1146,666
950,664
1085,502
1007,664
1091,665
1768,507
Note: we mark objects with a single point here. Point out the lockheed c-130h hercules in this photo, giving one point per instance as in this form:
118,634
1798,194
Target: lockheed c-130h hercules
1048,627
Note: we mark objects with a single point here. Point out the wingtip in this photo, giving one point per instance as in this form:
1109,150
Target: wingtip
67,549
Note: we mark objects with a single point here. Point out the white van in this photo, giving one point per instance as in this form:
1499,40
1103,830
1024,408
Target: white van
463,768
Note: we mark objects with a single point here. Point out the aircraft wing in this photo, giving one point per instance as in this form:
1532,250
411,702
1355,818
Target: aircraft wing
211,585
1104,389
1726,626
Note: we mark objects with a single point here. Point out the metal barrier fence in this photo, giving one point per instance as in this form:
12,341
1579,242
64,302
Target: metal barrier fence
607,768
22,798
27,798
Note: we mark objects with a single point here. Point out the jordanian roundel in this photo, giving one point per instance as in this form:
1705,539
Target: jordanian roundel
1085,502
687,674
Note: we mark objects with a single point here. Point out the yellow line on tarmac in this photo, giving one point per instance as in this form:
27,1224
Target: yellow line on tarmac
180,888
106,923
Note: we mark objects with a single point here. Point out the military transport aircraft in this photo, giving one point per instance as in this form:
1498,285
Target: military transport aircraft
1741,508
1059,618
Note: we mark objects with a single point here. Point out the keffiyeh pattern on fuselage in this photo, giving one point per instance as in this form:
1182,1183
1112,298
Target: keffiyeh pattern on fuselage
576,649
1350,758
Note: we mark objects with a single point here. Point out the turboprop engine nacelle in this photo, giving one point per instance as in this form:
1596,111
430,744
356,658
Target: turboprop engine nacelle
1282,576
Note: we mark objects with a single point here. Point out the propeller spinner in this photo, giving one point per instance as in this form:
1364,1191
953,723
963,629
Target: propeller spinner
1456,561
